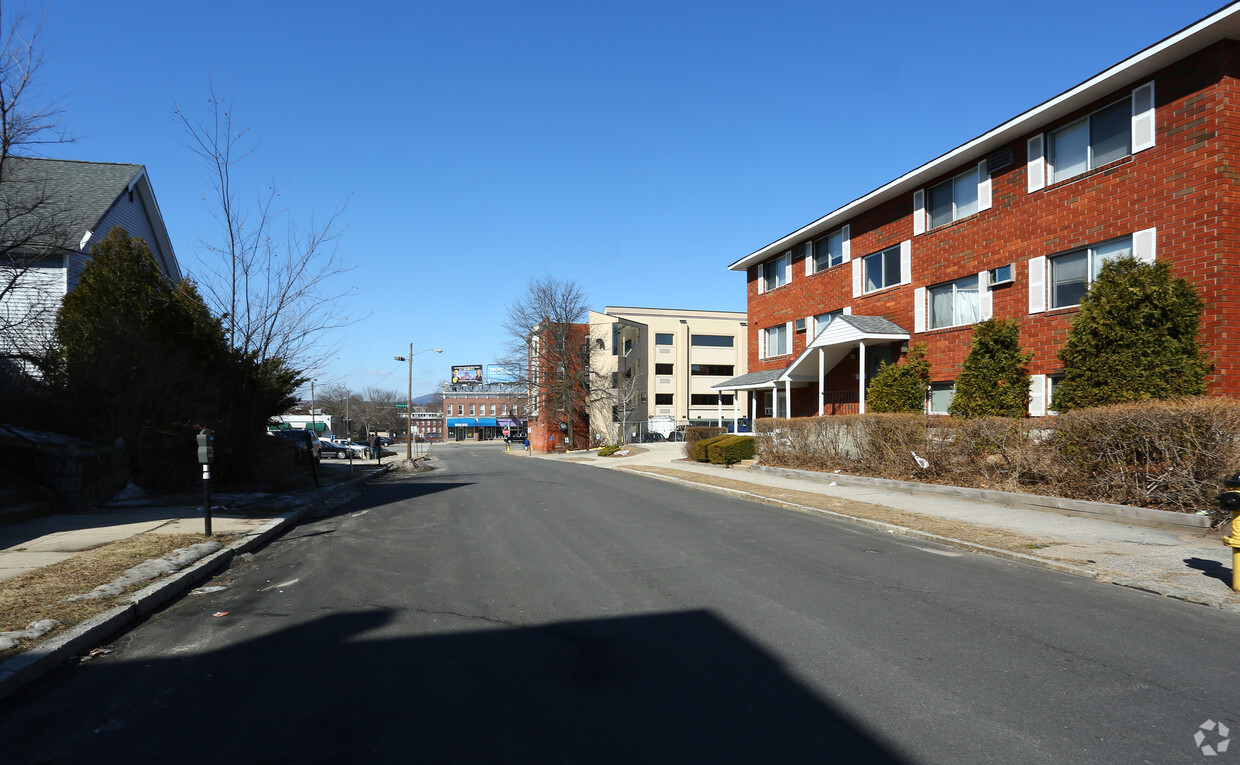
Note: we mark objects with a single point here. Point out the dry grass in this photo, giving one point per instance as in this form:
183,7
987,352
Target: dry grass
37,594
967,532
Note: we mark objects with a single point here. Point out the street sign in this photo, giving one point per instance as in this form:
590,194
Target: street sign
402,406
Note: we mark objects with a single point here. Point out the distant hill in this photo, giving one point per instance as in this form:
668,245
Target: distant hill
429,398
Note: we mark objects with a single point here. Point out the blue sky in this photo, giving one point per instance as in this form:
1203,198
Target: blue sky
636,148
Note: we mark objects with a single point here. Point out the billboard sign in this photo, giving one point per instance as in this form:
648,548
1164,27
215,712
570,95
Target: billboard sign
470,374
503,373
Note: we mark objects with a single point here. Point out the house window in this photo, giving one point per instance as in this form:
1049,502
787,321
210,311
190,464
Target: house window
663,338
777,340
823,319
471,410
954,304
828,251
712,370
503,409
1093,141
882,269
663,369
664,399
492,410
954,199
775,273
712,341
1073,272
460,410
709,399
941,397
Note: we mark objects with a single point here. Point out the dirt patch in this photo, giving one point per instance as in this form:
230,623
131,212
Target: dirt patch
981,535
633,451
37,594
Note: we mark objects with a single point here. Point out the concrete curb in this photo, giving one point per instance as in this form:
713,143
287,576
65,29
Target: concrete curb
28,666
1129,514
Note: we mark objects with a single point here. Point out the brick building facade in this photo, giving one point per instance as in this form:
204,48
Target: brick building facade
1138,161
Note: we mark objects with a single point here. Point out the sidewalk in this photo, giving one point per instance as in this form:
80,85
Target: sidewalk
1189,562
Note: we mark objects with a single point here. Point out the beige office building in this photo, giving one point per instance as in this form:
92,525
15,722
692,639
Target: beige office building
652,368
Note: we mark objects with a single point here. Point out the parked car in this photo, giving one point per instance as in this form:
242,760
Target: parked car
652,437
307,442
333,449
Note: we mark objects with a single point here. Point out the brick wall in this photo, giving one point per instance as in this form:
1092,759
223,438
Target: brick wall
1185,186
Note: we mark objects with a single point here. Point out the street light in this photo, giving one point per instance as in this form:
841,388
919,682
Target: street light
409,399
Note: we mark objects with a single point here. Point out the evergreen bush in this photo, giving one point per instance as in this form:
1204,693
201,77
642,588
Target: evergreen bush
901,387
994,378
700,445
731,449
1135,339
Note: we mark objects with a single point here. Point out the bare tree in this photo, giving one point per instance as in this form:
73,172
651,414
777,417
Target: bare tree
377,410
272,279
35,223
546,327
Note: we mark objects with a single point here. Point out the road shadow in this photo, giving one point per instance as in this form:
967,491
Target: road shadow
1210,568
664,688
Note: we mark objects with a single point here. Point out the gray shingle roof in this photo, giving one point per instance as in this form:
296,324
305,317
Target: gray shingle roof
873,325
748,380
78,194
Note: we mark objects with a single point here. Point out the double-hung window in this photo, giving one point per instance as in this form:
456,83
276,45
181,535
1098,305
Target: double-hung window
1073,272
953,199
823,319
828,251
882,269
1093,141
775,273
776,341
955,303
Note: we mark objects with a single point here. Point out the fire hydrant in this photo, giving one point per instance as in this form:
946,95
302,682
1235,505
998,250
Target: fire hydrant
1230,501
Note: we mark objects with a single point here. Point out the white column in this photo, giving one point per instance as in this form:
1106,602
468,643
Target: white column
753,407
719,401
861,376
787,399
736,411
822,377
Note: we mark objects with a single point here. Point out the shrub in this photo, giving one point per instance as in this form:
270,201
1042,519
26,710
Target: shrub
693,434
1135,339
609,450
994,378
700,445
901,387
731,449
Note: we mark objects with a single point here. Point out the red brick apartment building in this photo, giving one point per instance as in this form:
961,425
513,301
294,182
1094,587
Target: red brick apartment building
559,364
1142,160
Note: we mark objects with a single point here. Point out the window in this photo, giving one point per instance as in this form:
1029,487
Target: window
471,410
1091,142
492,410
663,369
712,341
709,399
882,269
774,273
1073,272
953,199
941,397
503,409
954,304
823,319
714,370
828,251
460,410
776,341
663,398
663,338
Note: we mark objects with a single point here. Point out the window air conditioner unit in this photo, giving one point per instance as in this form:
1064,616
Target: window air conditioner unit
1001,275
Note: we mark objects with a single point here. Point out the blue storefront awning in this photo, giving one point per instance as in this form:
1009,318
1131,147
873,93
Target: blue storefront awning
487,422
462,422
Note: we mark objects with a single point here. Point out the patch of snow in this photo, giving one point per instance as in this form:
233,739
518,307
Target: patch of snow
33,630
150,569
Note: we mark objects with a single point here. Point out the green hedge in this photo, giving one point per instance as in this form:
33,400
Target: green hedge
692,435
729,450
699,446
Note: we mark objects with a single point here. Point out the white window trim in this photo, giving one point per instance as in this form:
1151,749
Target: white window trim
1141,131
811,255
1038,398
1144,250
921,218
1035,168
921,304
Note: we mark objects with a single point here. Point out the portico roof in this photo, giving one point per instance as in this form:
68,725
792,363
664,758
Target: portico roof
751,381
837,339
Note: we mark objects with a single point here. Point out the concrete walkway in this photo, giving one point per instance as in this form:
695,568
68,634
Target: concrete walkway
1186,562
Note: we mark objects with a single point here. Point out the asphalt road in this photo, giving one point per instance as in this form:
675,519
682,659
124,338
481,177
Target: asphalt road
510,609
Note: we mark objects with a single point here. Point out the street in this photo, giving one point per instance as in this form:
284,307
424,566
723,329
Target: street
516,609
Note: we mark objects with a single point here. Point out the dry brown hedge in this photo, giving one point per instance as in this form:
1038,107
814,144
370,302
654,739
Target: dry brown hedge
1170,455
